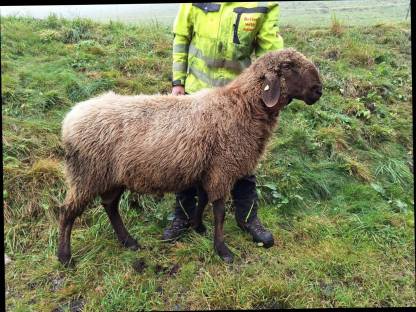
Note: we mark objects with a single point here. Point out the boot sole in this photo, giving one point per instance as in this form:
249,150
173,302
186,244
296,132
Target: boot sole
265,244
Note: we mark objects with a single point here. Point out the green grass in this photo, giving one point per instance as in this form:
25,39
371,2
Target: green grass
357,13
335,185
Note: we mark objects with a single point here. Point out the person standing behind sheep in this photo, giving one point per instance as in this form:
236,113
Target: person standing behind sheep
213,44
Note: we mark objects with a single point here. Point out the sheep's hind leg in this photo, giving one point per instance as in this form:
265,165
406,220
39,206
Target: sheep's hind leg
110,202
70,210
219,244
196,220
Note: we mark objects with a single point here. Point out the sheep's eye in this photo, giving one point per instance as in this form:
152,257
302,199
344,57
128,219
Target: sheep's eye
286,65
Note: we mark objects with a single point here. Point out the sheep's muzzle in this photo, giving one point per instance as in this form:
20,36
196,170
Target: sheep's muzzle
314,94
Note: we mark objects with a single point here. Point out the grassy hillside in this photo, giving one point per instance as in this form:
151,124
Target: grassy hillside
336,184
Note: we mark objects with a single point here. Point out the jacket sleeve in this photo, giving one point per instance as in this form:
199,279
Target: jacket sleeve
182,31
268,37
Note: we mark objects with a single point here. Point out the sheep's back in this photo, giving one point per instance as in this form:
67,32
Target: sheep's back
147,143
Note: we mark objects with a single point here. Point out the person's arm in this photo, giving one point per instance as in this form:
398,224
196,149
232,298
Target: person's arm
268,37
182,30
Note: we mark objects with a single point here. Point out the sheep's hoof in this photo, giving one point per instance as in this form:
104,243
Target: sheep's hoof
131,243
224,253
228,258
66,261
200,229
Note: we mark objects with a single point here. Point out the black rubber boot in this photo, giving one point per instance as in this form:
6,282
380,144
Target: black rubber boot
258,232
245,201
176,229
185,206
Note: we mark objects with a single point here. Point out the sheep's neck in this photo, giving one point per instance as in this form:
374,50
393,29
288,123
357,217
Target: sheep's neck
260,120
265,123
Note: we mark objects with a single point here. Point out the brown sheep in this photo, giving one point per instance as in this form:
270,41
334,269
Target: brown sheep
164,143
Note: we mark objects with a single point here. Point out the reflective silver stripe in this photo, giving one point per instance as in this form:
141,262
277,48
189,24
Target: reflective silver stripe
249,212
184,211
205,78
180,48
179,67
237,66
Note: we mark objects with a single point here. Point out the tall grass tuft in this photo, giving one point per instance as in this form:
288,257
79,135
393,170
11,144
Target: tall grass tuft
336,28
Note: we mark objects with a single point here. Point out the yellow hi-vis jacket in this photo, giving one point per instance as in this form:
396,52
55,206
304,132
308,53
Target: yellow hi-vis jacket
213,42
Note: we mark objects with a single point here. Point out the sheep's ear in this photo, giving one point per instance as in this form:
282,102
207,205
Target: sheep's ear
270,93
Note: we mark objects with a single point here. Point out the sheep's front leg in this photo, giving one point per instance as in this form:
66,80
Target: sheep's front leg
219,245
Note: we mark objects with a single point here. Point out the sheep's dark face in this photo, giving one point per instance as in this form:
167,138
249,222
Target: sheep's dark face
289,75
302,81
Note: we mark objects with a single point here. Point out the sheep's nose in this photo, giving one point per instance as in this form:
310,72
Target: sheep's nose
317,90
313,94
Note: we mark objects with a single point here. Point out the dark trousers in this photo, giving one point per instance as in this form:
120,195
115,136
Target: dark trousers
244,197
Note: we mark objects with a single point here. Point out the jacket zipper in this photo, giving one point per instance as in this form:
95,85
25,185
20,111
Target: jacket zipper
237,23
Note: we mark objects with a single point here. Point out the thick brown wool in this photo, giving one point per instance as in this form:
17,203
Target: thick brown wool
165,143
